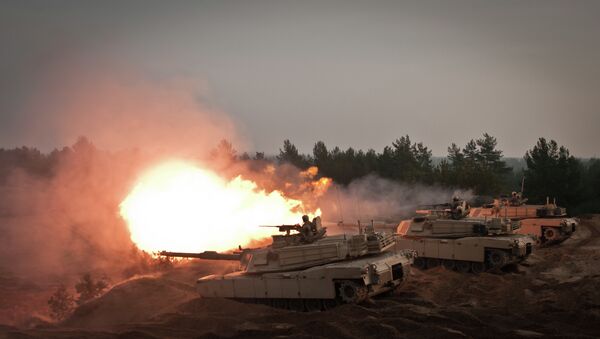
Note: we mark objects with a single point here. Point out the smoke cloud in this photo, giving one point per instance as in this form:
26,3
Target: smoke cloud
63,220
374,198
59,211
65,224
119,108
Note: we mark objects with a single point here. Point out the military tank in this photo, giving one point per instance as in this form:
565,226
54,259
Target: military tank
306,270
549,222
466,244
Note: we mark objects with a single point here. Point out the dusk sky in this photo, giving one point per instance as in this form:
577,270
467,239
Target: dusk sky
349,73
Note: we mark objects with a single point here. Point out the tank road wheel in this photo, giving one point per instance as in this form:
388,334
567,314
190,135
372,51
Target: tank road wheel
267,302
351,292
420,263
497,259
433,262
313,305
280,303
550,234
296,305
477,267
449,264
463,266
329,304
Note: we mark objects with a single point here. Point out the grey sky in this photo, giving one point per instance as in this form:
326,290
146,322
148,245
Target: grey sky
349,73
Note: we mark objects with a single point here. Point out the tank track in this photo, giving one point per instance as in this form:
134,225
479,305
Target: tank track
298,305
495,260
347,292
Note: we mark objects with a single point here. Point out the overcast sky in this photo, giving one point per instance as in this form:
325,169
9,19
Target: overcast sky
349,73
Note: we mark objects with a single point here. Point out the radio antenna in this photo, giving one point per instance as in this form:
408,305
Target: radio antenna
337,193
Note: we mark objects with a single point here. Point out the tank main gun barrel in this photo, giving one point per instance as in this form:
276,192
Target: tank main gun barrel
206,255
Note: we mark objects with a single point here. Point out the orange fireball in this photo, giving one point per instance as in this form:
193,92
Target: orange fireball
178,206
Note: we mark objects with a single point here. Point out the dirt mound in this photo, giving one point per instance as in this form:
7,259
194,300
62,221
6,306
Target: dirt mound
132,301
226,318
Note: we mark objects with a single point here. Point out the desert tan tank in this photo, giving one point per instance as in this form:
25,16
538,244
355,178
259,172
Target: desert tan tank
308,270
549,222
467,244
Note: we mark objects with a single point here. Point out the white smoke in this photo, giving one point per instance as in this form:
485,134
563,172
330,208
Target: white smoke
374,198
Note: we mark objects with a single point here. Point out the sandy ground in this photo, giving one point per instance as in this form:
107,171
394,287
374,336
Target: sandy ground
555,293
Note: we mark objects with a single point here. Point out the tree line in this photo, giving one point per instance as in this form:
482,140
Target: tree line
550,171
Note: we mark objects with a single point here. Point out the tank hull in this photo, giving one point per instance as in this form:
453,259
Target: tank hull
372,275
475,254
548,229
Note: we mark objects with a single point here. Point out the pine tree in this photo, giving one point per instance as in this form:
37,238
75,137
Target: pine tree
321,158
290,154
224,151
61,303
88,289
552,172
478,165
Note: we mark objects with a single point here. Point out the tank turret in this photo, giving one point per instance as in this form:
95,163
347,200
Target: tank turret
550,210
440,227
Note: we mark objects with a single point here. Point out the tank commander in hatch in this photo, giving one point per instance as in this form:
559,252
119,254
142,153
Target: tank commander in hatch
308,229
458,208
455,204
514,199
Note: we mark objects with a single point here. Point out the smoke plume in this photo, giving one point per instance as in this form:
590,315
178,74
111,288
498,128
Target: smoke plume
119,108
63,220
374,198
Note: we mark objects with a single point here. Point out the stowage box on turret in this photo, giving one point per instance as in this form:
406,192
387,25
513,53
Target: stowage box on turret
468,244
309,270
